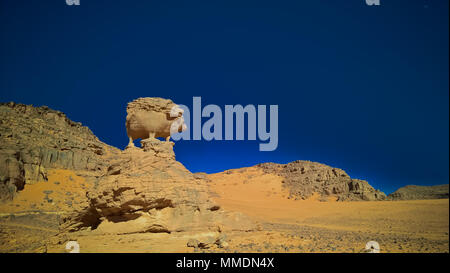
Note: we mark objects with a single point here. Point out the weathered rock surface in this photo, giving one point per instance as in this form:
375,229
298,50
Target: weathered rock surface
304,178
420,192
131,191
119,200
34,139
147,190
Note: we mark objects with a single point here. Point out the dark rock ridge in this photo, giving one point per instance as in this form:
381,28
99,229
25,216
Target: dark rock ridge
304,178
34,139
412,192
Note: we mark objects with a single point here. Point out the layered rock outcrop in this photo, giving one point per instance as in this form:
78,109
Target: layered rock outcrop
412,192
34,139
304,178
147,190
135,190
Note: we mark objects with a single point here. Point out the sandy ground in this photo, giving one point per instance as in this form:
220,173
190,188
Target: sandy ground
418,225
285,225
63,191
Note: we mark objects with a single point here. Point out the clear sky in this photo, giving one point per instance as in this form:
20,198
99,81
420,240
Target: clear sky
359,87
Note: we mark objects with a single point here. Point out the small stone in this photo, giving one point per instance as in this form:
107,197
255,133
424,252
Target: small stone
193,243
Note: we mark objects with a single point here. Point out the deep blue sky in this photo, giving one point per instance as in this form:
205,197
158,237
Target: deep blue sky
361,88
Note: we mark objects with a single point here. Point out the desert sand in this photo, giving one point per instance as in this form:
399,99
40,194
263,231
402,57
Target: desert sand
398,226
284,225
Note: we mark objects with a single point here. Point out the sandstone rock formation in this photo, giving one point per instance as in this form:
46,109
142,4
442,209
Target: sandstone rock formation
99,189
303,178
34,139
153,117
420,192
147,190
143,200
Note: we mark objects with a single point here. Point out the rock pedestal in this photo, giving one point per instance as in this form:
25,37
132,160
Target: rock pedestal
162,149
147,190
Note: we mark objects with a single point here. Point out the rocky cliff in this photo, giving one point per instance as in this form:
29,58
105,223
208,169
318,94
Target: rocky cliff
35,139
420,192
304,178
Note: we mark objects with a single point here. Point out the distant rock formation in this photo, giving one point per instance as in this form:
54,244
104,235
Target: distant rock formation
33,139
304,178
420,192
152,118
